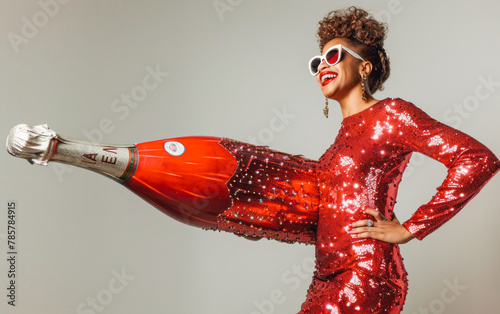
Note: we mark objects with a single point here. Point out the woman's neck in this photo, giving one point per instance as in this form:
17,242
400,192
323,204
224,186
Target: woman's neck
354,104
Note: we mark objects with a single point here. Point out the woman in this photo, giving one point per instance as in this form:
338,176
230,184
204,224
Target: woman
359,267
343,203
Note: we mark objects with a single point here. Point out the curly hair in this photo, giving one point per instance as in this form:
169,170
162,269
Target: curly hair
365,34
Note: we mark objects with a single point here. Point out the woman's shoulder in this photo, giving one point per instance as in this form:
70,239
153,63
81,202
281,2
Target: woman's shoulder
403,111
388,108
400,106
390,102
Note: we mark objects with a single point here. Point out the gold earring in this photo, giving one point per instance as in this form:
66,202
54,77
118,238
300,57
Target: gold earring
325,110
363,95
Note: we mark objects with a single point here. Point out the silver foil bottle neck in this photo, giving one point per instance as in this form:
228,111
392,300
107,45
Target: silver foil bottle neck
33,143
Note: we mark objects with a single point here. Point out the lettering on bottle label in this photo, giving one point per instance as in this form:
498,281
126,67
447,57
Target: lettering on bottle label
91,158
111,150
174,148
108,160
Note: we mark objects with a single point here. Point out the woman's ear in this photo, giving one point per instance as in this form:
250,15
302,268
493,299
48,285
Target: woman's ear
365,68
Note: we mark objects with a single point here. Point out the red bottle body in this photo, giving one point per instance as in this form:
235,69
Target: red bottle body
183,177
216,183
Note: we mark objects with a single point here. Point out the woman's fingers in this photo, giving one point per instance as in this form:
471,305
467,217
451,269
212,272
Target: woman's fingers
362,223
380,228
377,217
375,213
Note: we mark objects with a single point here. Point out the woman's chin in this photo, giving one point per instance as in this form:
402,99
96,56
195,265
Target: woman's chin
330,96
329,93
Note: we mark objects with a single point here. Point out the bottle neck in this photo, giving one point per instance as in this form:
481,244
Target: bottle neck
115,161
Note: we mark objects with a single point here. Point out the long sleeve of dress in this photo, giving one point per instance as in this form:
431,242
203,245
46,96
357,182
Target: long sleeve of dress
273,195
470,166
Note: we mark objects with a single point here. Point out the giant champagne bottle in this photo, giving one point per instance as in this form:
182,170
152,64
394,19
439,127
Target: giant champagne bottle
206,182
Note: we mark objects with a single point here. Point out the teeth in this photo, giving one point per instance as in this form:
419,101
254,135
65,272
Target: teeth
328,76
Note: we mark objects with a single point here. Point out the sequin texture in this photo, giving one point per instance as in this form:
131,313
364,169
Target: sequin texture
273,195
362,168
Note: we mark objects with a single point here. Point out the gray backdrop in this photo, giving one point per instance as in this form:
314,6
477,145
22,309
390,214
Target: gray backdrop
225,68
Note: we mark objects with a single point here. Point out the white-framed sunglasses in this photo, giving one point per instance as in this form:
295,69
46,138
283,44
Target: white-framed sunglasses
332,56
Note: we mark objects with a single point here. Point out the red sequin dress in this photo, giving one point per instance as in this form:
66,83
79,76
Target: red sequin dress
294,199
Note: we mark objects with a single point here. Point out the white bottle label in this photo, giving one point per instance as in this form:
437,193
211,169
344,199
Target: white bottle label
174,148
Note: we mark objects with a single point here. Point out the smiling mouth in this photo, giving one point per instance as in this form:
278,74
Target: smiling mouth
328,77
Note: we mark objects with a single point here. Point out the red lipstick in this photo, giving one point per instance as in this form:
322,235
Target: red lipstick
327,77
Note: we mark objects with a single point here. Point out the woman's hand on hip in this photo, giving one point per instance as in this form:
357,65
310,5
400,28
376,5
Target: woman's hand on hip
381,228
